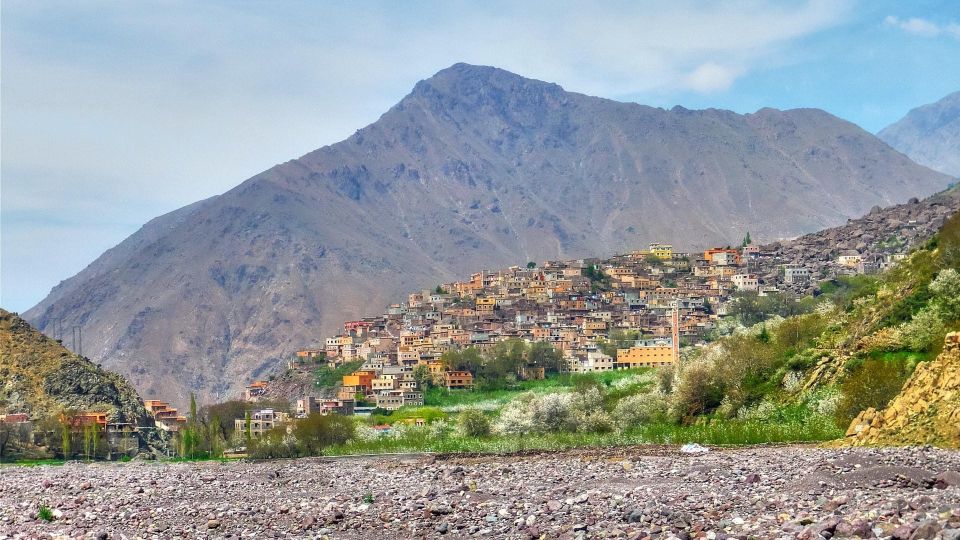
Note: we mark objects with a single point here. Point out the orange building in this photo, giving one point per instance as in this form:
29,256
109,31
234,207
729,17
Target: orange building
360,379
722,256
458,379
81,420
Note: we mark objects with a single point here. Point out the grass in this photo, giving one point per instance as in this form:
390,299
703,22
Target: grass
731,432
32,462
45,513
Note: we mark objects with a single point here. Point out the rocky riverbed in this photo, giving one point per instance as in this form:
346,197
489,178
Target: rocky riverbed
644,492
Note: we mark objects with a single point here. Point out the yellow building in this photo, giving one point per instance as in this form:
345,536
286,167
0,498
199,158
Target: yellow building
662,251
649,355
486,304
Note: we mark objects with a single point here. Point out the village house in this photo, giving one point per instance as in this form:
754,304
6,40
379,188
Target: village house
166,417
261,421
255,390
648,353
746,282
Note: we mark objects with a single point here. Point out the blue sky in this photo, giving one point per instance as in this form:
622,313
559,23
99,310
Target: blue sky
116,112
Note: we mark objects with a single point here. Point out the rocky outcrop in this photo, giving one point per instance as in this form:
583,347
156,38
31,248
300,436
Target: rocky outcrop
41,377
927,410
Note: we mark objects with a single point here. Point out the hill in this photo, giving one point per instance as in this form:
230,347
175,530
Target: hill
476,167
930,135
41,377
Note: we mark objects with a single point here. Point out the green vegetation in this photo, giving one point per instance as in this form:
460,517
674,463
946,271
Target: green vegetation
554,382
45,513
328,377
733,432
870,383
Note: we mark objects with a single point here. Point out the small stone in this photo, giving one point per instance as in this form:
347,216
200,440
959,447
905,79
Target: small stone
213,523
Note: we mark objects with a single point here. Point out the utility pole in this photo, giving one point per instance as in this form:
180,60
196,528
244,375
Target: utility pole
77,333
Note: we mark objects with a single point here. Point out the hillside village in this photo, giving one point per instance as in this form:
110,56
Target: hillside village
627,311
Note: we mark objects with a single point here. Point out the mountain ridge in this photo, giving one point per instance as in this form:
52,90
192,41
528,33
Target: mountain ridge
929,134
476,167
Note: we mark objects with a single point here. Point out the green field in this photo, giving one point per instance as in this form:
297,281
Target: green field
555,382
714,433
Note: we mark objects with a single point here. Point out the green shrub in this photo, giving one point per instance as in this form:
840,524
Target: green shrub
473,423
946,291
639,409
45,513
869,383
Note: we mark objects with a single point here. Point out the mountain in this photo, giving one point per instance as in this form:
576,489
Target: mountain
930,135
41,377
475,168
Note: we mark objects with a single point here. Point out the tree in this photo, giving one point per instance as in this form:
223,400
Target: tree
871,384
318,431
440,290
423,377
65,438
545,355
221,416
247,428
531,265
949,242
746,240
946,288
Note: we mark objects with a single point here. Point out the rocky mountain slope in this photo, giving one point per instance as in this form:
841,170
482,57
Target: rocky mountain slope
41,377
927,410
475,168
883,231
930,135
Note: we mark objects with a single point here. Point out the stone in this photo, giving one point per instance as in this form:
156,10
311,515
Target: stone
926,530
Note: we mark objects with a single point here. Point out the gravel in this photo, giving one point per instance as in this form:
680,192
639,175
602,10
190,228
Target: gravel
641,492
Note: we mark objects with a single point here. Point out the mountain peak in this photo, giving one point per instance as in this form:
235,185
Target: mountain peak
929,134
471,81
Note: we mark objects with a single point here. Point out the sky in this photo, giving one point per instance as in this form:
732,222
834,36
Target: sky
112,113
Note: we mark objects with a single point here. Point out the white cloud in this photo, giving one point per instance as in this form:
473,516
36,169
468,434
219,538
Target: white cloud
710,77
922,27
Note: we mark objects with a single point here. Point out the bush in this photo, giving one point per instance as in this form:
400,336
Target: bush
923,331
473,423
530,413
946,290
697,389
638,409
318,431
872,383
587,414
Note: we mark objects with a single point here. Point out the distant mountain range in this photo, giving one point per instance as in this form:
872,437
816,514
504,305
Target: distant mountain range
930,135
475,168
